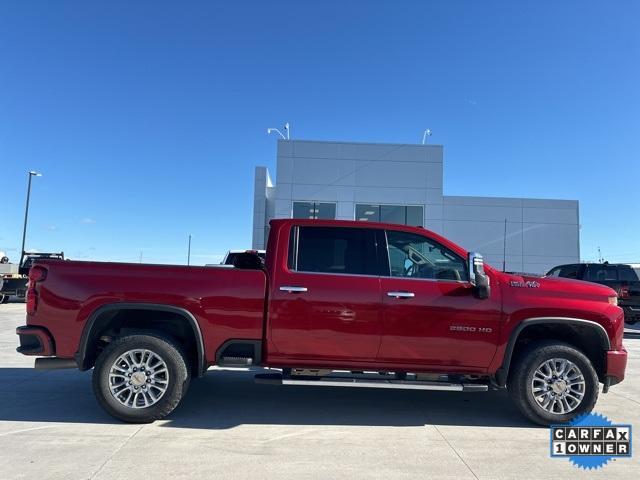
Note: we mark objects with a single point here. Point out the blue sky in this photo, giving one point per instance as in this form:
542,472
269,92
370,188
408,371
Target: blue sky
147,118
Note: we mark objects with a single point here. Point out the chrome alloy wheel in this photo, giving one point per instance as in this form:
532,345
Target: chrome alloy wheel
558,386
138,378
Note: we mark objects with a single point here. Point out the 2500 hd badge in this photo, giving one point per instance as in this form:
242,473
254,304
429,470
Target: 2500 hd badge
466,328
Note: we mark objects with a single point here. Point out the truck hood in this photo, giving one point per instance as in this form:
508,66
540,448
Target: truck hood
559,285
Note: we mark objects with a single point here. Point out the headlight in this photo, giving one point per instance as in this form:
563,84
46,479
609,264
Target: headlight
613,300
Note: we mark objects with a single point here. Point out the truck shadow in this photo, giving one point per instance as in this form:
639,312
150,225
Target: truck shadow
226,399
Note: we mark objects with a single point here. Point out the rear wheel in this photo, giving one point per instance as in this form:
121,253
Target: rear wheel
553,382
140,378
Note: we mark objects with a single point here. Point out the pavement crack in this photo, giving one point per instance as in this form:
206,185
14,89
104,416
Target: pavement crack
623,396
120,447
288,435
455,451
27,430
426,415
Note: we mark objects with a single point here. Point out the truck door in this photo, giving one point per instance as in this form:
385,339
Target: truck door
324,306
431,316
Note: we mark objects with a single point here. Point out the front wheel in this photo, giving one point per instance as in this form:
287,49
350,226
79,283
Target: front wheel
140,378
553,382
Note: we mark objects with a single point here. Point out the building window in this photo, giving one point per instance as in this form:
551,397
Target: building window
404,215
314,210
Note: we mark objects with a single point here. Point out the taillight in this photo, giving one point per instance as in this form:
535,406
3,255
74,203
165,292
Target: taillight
32,301
623,292
37,274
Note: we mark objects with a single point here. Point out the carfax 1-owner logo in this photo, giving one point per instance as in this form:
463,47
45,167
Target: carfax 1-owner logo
591,441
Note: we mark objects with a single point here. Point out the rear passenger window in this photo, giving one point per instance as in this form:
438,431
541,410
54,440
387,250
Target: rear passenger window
601,273
336,250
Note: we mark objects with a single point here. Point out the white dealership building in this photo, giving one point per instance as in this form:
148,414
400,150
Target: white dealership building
399,183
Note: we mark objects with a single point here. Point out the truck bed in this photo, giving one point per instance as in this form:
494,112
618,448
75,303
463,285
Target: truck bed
226,303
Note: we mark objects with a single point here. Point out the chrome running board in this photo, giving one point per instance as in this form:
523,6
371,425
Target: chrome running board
278,379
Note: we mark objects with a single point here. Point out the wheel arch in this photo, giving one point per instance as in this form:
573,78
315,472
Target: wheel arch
592,340
104,316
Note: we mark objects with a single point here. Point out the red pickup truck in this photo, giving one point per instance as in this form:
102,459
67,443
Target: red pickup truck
335,304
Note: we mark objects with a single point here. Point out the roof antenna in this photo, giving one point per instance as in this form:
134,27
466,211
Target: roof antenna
599,255
427,133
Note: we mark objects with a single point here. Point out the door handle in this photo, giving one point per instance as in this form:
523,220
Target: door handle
292,289
401,294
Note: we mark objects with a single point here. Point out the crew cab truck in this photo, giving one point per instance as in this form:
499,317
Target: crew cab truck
337,303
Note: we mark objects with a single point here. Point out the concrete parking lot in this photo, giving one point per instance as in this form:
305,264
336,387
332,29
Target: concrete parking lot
228,427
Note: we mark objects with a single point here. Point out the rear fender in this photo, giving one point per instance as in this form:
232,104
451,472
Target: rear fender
94,325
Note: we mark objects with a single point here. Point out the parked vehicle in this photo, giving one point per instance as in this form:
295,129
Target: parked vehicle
622,277
14,278
231,255
337,303
12,284
30,257
11,281
5,271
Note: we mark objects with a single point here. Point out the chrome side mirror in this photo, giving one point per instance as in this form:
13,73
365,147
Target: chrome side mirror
477,276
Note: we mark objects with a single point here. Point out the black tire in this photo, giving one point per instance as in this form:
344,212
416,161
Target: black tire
522,372
177,384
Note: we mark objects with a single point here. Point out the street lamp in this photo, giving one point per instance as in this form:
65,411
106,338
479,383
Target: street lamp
427,133
286,129
271,130
26,213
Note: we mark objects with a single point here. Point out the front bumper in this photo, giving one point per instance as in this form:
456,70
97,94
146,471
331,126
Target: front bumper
616,365
35,341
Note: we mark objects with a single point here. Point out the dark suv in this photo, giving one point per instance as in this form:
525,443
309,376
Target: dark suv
622,277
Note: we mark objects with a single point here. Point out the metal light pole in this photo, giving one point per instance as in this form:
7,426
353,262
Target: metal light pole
26,213
189,251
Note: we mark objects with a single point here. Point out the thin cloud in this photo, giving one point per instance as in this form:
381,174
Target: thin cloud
87,221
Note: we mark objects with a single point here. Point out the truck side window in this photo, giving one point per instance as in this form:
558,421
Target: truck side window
415,256
569,271
555,272
601,273
336,250
627,274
